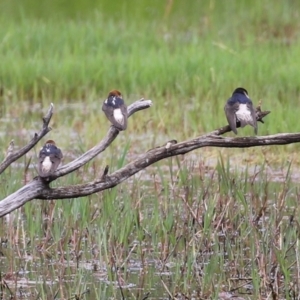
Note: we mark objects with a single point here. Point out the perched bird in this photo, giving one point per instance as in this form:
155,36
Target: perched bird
49,159
239,110
116,110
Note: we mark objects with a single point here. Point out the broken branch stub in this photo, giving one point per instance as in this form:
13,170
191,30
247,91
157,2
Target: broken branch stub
38,189
12,155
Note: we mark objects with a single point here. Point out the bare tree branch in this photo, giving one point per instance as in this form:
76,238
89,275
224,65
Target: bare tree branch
34,189
28,192
160,153
12,156
90,154
39,189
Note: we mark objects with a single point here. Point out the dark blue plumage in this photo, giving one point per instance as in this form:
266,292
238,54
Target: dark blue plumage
239,110
50,157
239,95
50,149
115,102
115,110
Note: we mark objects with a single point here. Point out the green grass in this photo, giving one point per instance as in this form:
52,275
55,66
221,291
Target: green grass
196,225
187,56
203,232
187,59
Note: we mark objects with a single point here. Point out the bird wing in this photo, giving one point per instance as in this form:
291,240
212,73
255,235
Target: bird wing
109,112
56,159
125,115
42,156
253,115
230,110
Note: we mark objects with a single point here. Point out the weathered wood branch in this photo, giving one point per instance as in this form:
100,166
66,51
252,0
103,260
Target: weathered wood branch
90,154
12,156
34,189
157,154
38,189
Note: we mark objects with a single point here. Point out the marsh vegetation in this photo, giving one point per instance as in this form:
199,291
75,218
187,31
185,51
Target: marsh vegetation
208,225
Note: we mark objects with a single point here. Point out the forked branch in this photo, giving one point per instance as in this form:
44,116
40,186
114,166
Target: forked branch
34,189
37,189
157,154
111,135
12,156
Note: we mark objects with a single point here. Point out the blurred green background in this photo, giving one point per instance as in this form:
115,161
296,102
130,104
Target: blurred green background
187,56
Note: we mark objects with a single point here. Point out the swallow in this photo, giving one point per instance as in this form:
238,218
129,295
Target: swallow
49,159
239,110
116,110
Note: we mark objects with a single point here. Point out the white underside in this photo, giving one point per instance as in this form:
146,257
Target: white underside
47,164
244,115
118,116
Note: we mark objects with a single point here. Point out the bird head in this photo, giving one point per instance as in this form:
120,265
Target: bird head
115,93
50,142
241,90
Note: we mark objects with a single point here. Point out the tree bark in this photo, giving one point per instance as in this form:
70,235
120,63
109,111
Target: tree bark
12,156
40,189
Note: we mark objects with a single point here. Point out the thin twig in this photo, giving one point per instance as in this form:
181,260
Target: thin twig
13,156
